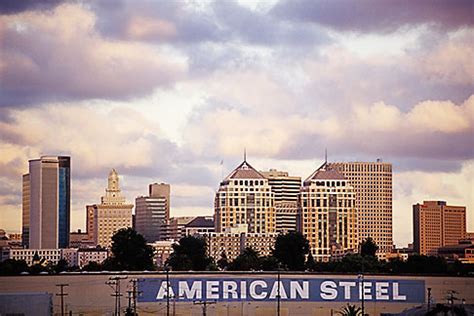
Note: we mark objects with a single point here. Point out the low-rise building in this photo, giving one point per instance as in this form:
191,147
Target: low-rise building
233,240
200,225
86,256
74,256
163,249
174,229
463,252
47,255
80,240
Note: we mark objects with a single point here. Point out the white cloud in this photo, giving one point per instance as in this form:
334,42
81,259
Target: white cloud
60,54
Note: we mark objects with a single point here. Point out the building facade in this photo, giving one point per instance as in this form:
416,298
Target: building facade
233,240
25,223
285,190
80,240
244,197
86,256
46,202
372,182
436,224
112,214
152,212
327,214
174,229
200,225
162,251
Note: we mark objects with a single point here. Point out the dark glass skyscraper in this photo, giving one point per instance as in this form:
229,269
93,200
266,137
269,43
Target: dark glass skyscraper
64,200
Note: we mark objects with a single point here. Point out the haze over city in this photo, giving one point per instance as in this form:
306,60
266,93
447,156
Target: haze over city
174,91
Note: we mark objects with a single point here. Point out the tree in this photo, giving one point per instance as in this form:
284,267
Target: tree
350,310
130,252
368,247
13,267
310,263
223,262
291,249
269,263
61,266
248,260
92,266
190,254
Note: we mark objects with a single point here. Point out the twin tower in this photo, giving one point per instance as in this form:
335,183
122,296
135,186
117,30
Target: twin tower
336,207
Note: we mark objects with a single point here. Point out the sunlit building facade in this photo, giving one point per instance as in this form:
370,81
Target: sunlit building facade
245,197
46,202
372,183
436,224
327,214
112,214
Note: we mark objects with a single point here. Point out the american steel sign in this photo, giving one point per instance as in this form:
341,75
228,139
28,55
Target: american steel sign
289,289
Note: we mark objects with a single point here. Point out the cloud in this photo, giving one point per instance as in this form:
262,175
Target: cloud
60,55
457,188
451,61
14,6
378,16
430,129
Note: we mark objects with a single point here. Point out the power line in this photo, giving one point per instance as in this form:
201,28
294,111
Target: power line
114,283
62,294
132,298
204,305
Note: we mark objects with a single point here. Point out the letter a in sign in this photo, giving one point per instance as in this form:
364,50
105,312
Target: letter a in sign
162,293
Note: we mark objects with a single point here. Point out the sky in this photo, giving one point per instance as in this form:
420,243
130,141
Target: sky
173,91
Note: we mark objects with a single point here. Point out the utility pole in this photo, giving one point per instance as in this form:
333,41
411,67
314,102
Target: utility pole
429,299
278,290
114,283
167,269
204,305
361,292
62,294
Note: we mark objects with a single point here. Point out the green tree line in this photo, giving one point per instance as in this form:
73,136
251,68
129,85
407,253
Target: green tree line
291,252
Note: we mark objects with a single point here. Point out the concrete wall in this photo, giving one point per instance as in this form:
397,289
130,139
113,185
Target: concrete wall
89,294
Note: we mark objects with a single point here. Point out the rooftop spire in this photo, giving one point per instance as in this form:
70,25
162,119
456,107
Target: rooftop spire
245,154
325,155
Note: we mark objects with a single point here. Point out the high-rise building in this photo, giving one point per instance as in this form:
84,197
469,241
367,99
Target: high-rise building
436,224
327,214
25,233
285,189
152,212
372,182
245,197
112,214
46,202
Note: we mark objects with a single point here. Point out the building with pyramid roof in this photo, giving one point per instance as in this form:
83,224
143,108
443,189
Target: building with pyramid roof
327,214
245,197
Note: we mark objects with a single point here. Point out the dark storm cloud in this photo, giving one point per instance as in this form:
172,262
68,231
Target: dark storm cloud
16,6
378,16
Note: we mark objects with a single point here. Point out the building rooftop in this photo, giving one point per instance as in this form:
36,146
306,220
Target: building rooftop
201,221
245,171
325,172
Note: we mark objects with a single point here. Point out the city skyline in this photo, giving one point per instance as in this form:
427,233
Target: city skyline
165,92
